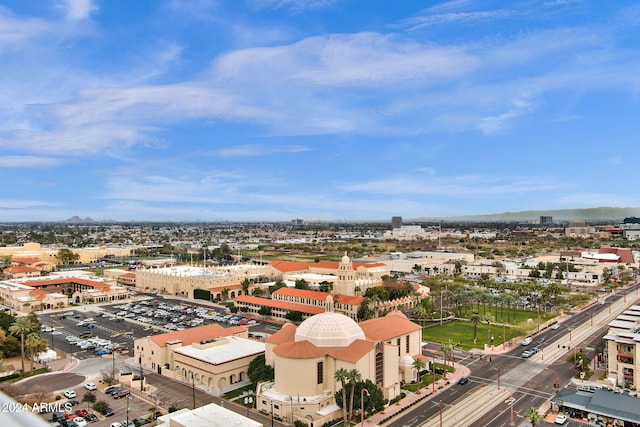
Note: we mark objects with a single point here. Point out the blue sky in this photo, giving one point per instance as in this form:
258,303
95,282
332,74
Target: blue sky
267,110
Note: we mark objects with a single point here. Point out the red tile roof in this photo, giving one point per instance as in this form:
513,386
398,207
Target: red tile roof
285,334
305,350
129,275
389,326
199,333
289,266
20,269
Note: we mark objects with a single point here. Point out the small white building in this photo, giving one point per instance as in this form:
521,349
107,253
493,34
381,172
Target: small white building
210,415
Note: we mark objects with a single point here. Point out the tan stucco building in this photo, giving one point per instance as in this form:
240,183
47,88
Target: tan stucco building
382,350
211,357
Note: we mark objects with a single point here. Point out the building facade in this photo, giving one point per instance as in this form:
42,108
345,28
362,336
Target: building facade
382,350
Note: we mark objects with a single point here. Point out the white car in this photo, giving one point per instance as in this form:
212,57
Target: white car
90,386
80,422
555,326
561,419
527,341
69,394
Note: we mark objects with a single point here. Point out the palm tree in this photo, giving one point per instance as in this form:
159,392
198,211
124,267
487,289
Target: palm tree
418,365
489,319
534,416
353,376
341,375
21,326
446,349
34,344
475,318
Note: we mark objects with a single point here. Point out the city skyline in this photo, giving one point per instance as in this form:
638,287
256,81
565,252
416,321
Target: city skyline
321,110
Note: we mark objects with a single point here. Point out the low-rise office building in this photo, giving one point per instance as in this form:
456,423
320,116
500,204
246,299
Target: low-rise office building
210,357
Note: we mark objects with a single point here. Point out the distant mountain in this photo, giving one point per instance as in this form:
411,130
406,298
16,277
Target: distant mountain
607,214
76,219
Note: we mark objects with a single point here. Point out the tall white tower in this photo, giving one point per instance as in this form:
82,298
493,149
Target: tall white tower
346,283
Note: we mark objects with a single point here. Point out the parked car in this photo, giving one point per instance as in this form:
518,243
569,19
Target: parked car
92,418
121,393
90,386
561,419
73,402
108,412
111,389
79,422
69,394
81,412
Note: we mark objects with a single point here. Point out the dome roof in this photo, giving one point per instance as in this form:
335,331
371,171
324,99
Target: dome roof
406,360
329,329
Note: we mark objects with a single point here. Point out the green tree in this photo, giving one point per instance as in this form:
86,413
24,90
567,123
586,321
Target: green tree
265,311
354,377
66,256
245,286
341,375
534,416
475,318
21,327
34,344
418,365
293,315
89,398
325,286
301,284
100,406
446,349
259,371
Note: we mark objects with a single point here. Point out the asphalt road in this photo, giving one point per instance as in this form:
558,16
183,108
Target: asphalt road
533,393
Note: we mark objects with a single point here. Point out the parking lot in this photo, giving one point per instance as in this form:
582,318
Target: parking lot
108,331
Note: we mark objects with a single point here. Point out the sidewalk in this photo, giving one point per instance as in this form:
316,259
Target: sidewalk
380,418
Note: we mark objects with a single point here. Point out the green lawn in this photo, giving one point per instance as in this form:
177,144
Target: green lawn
460,332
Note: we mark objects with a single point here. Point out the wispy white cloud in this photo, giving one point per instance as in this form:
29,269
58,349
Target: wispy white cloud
295,5
257,150
27,162
77,10
15,32
464,186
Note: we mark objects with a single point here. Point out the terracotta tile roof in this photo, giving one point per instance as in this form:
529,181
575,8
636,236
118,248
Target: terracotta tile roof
199,333
284,305
353,352
305,350
285,334
20,269
389,326
129,275
289,266
378,264
318,296
299,350
327,264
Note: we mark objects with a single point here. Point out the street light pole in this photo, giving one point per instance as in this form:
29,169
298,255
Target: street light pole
362,393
